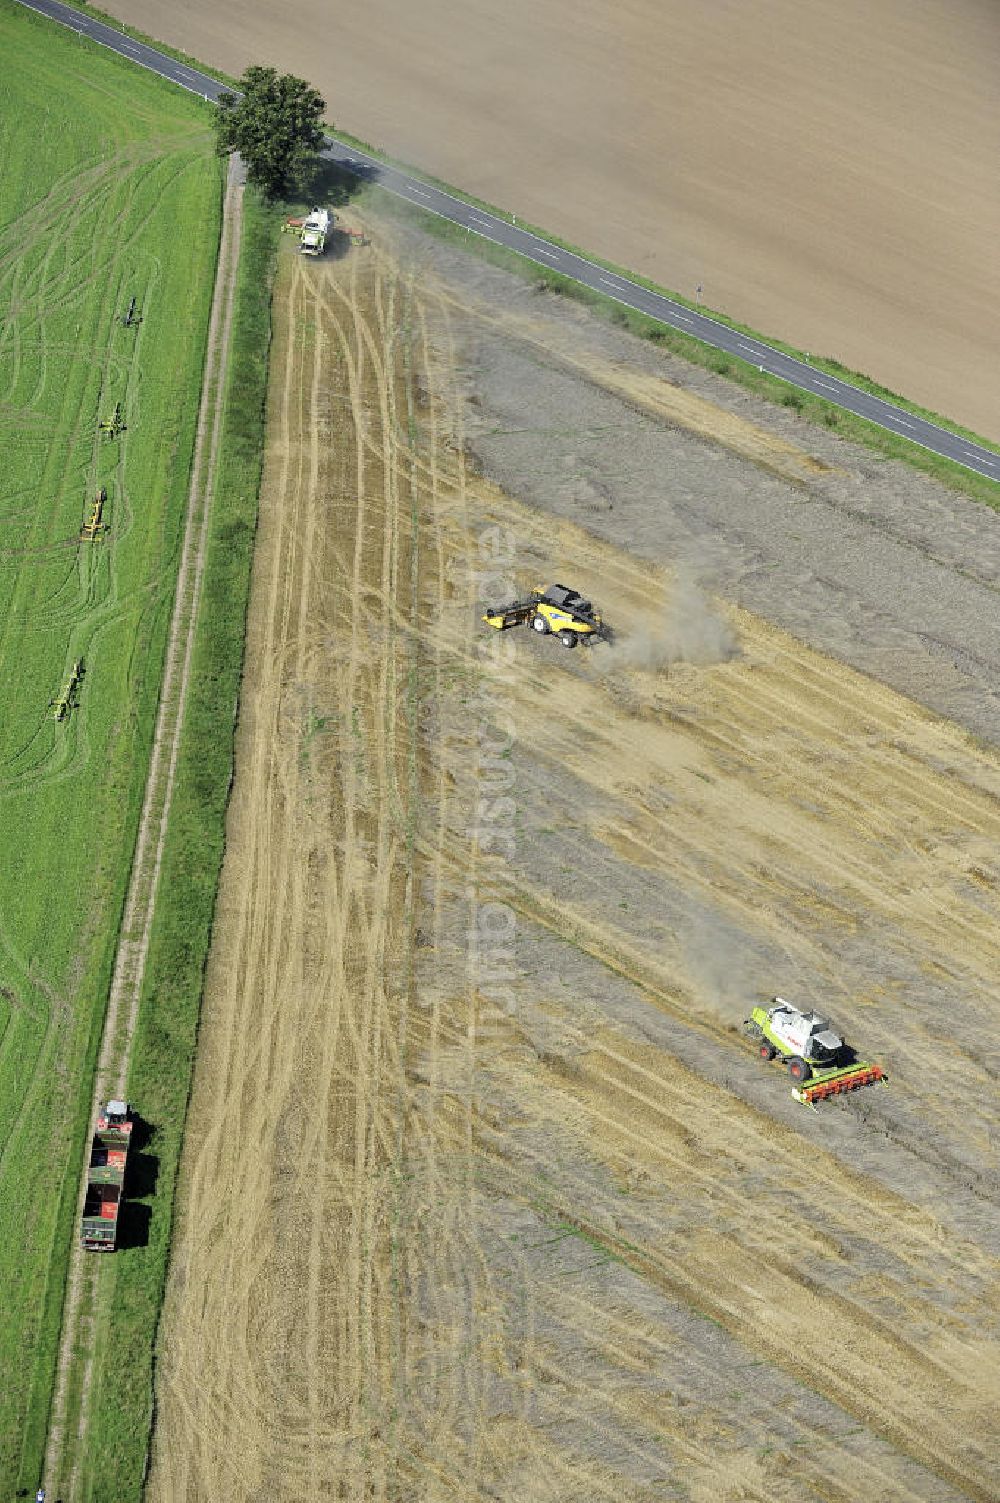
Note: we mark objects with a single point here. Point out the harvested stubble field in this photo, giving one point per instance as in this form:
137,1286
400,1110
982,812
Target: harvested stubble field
483,1194
108,191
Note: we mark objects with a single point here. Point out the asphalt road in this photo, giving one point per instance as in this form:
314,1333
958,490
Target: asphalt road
478,221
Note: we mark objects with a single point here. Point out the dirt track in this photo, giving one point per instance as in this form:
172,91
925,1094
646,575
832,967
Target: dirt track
822,170
484,1196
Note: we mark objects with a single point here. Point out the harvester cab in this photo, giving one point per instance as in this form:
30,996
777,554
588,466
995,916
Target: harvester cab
555,611
814,1054
805,1033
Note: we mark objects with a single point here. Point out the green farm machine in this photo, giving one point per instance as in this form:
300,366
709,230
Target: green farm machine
69,697
816,1057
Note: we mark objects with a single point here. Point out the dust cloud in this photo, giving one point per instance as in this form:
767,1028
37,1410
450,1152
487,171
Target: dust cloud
690,630
716,961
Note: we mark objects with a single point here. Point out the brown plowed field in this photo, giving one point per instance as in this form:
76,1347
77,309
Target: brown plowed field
484,1195
825,171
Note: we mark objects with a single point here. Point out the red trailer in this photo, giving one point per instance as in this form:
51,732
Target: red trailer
106,1176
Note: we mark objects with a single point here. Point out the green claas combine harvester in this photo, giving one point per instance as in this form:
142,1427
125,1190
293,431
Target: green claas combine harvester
815,1056
106,1176
554,611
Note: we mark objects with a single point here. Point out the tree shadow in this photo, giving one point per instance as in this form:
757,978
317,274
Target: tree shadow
330,184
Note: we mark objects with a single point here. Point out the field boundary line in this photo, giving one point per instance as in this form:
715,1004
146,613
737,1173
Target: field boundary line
77,1339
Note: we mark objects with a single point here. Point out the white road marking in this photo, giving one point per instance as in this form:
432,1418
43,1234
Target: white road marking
422,191
616,285
902,422
828,384
543,252
752,349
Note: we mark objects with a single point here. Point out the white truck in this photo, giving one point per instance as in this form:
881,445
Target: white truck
314,232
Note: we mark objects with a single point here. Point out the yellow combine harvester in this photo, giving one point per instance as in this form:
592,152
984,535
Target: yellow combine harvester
93,528
554,611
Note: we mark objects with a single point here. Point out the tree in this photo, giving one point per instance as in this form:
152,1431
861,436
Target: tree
274,125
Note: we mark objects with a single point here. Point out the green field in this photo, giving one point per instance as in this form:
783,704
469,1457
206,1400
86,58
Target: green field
114,1456
109,190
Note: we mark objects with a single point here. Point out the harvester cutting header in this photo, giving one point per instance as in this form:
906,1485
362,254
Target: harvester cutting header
554,611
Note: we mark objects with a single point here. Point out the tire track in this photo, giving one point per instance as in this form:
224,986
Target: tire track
425,1250
325,889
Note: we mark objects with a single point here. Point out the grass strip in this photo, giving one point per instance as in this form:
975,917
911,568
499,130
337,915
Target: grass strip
166,1035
